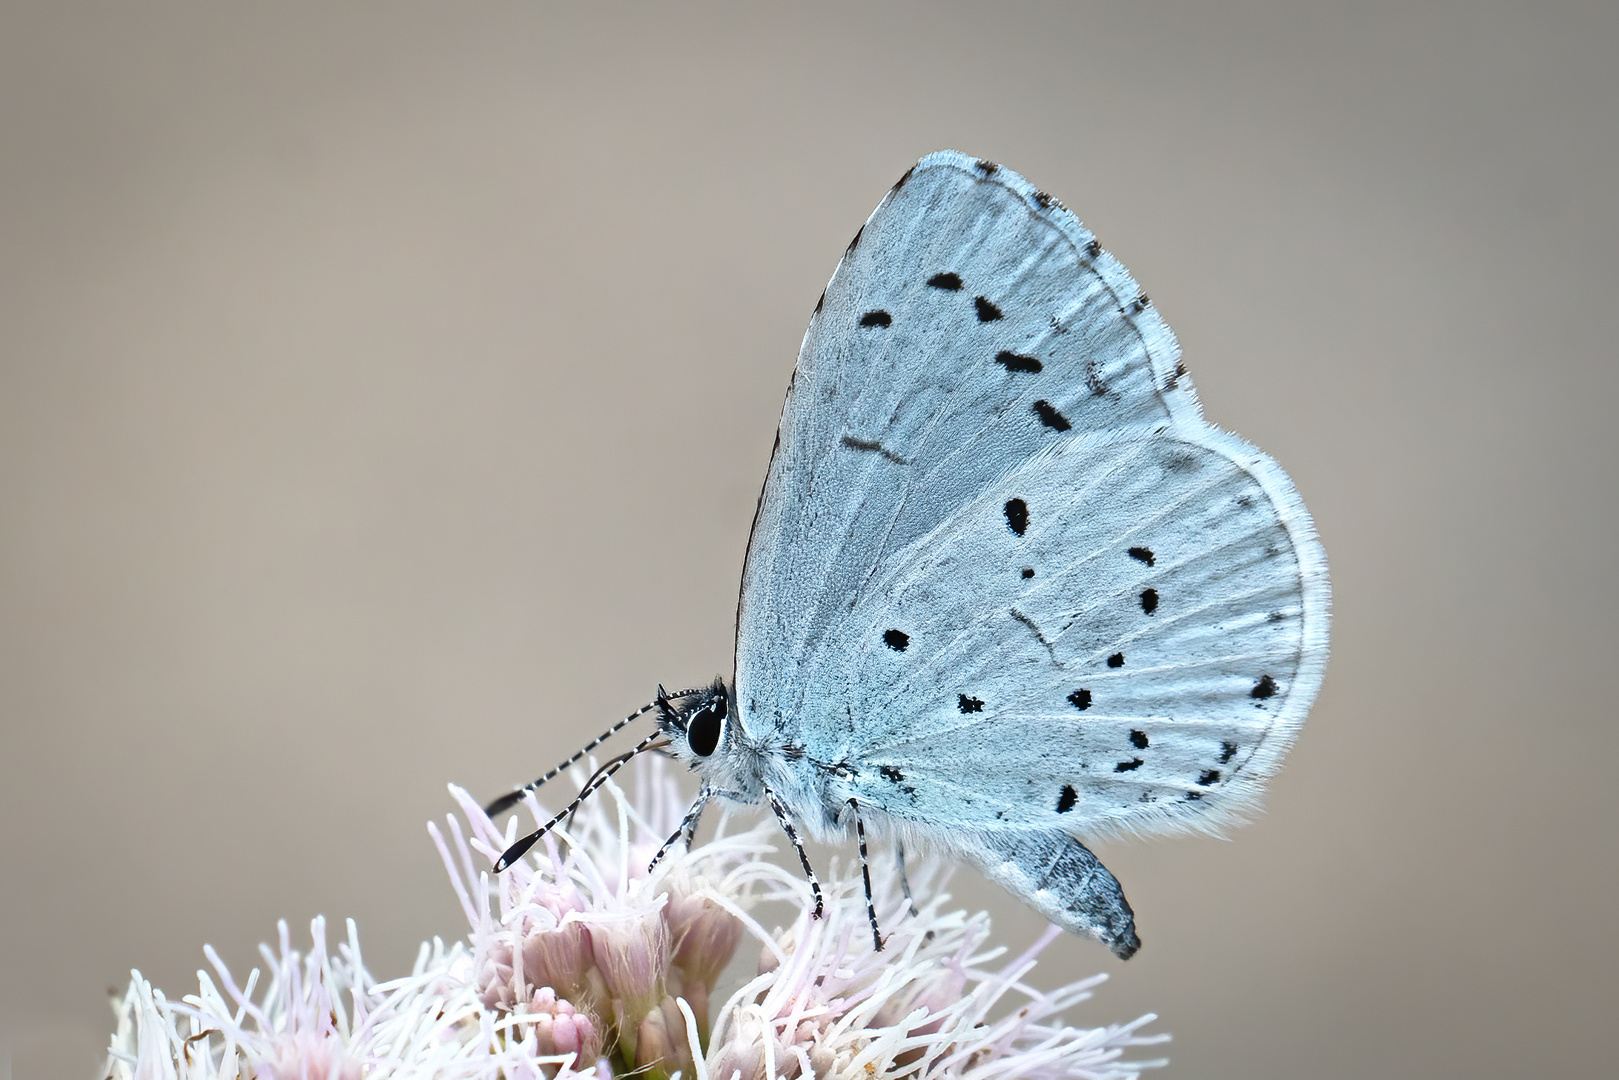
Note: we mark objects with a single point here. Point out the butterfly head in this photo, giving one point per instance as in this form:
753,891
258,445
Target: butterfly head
696,724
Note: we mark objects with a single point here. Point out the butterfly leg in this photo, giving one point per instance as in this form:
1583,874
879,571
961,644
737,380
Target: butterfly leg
803,857
905,883
904,878
688,828
865,875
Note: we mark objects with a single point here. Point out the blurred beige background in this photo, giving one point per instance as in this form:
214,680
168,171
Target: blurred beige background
385,390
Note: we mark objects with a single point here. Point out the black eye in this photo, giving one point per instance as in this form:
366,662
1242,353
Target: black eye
703,731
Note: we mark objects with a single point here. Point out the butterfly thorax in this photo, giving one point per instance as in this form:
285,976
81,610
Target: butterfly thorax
707,732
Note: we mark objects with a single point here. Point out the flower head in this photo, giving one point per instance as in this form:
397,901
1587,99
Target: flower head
580,962
928,1006
323,1017
589,922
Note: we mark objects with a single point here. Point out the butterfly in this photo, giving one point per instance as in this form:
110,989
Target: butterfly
1006,590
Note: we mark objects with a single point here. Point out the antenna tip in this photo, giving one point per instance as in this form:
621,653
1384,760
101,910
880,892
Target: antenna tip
516,851
504,803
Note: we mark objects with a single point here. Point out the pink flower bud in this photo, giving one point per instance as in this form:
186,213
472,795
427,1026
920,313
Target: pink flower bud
494,982
705,937
558,958
632,955
559,1028
661,1040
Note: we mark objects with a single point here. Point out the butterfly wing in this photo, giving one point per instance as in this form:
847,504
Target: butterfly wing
972,322
1001,567
1137,654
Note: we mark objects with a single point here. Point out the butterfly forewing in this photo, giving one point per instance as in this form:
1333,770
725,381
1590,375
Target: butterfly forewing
973,324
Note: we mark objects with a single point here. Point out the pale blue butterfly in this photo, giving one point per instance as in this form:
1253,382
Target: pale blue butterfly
1006,589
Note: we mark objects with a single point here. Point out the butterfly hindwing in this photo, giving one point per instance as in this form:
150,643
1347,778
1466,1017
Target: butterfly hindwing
1061,879
1124,633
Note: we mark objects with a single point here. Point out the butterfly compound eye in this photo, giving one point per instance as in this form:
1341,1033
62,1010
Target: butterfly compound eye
703,730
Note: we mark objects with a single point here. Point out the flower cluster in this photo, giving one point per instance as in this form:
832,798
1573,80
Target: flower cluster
582,926
579,962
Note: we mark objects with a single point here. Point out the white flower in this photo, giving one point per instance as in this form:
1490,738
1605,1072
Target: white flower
580,963
925,1007
324,1018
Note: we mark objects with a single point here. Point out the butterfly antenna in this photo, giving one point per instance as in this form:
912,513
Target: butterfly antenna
511,799
597,779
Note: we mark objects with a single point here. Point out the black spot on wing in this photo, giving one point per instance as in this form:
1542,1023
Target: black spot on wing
1017,515
1034,628
896,639
987,312
1067,799
1149,600
1142,554
877,318
969,704
1178,462
1227,751
1208,776
1139,304
1093,249
871,446
1138,739
1012,361
1116,660
987,167
1080,699
1093,379
1050,417
890,773
946,280
1028,572
1043,199
1264,688
1128,766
